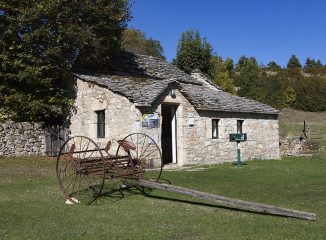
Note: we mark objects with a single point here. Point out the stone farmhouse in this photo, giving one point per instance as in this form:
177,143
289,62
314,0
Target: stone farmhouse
194,117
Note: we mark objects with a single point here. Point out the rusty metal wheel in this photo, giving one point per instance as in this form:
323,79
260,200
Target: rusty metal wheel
145,155
80,170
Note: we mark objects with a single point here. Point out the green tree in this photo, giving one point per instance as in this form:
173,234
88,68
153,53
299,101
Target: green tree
244,61
193,52
248,79
241,62
313,67
310,63
293,62
229,65
289,96
310,94
273,66
280,91
40,42
275,90
135,41
220,75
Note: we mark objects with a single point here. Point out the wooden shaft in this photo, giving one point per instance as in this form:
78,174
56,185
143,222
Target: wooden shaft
230,202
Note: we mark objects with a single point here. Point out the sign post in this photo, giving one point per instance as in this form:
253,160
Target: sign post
238,137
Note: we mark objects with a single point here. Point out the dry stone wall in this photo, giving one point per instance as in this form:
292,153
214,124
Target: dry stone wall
292,146
17,139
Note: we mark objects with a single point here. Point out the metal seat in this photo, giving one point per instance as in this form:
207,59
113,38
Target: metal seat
126,145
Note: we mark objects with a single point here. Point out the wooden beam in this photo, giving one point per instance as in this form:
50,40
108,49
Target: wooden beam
230,202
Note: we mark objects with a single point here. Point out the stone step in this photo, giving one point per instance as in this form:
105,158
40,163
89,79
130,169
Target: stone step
172,167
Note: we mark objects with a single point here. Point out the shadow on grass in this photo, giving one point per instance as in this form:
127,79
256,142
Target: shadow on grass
123,191
120,189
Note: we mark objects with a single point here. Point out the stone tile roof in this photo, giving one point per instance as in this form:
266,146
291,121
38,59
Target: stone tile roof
143,79
150,66
141,91
204,80
206,98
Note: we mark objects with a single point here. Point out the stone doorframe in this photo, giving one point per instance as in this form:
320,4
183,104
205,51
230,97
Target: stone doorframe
177,100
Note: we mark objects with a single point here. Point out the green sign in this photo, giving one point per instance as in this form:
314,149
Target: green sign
238,137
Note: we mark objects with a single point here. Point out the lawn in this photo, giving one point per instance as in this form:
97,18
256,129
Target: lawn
31,206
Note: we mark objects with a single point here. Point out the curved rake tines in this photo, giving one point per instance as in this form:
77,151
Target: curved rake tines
146,155
80,170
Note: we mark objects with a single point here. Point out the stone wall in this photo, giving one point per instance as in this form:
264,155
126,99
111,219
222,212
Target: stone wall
292,146
23,138
121,116
262,138
194,143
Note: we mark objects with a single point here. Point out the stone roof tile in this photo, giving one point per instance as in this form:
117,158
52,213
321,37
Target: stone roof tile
151,67
141,91
206,98
143,79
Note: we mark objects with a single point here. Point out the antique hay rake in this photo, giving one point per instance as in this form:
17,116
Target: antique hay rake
82,168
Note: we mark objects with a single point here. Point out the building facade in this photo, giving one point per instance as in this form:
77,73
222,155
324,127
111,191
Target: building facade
194,117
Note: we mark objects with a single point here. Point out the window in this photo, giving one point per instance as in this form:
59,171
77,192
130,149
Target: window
100,124
215,128
239,126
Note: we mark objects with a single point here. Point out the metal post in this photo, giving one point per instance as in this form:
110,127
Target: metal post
239,164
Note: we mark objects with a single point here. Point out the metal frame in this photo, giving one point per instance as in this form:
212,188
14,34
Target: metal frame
82,166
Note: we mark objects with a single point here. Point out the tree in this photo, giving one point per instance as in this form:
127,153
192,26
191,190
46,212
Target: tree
220,74
289,96
40,42
193,52
135,41
241,62
293,62
311,94
314,67
244,61
310,63
248,78
229,66
273,89
273,66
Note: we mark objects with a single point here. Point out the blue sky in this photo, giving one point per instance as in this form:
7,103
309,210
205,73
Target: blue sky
268,30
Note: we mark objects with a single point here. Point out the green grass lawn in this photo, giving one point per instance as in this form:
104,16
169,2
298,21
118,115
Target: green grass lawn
32,207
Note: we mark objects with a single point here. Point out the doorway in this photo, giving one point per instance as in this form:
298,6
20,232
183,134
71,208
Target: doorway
169,133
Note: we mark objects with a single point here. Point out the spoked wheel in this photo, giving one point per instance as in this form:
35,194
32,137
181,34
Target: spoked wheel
80,170
145,154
